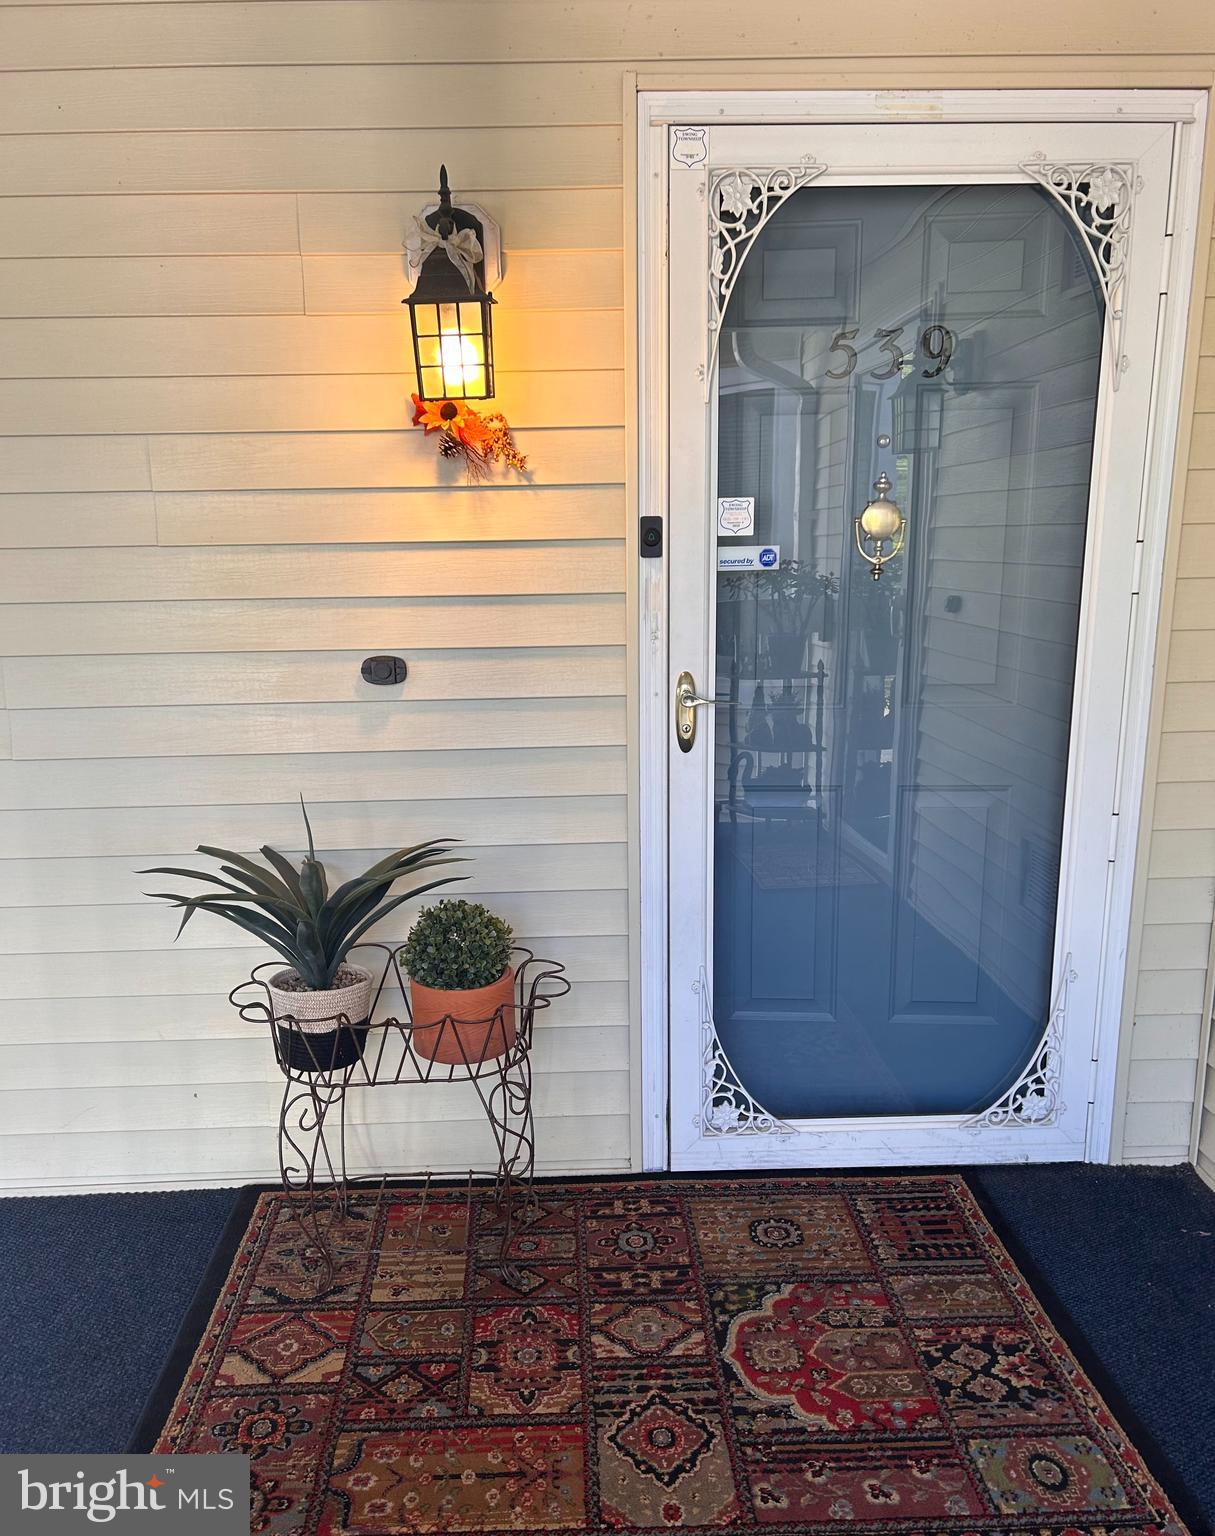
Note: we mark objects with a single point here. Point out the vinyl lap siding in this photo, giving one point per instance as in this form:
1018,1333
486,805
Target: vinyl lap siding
210,510
1165,1075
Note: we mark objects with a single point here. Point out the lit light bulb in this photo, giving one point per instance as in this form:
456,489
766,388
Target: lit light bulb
459,357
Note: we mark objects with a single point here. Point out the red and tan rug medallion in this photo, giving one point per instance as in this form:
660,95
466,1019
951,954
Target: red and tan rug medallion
786,1354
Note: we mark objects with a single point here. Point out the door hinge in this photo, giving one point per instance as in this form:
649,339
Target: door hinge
1166,262
1137,569
1113,848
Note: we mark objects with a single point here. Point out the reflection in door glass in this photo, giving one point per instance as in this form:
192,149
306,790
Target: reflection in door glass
892,761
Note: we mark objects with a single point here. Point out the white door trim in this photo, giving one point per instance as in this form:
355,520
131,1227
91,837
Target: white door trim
657,110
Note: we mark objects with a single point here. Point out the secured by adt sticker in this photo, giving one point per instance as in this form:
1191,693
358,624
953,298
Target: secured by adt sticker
748,557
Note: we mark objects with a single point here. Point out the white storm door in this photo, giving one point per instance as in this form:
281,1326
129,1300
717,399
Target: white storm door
889,840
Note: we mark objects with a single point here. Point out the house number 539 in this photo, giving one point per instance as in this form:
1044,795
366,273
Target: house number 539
936,345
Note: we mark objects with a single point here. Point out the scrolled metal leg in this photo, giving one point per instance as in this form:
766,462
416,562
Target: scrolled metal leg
508,1107
302,1145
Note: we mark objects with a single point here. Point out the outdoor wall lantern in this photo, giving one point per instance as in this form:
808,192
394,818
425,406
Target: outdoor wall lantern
454,259
879,525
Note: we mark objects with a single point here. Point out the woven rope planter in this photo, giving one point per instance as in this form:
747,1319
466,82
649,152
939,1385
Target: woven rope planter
309,1035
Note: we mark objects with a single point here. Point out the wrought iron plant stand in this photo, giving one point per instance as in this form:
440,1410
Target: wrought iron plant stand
322,1062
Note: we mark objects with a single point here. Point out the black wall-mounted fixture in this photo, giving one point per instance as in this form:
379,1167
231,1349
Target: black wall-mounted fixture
384,670
450,308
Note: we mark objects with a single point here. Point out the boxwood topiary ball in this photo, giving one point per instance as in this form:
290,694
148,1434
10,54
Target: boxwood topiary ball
457,946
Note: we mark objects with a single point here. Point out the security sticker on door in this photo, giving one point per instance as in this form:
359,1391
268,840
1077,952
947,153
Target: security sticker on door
688,146
735,515
748,557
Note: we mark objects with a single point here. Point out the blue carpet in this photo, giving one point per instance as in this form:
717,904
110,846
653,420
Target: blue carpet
92,1291
1129,1254
93,1288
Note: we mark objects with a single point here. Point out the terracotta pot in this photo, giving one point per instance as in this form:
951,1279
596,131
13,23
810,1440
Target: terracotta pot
480,1021
309,1037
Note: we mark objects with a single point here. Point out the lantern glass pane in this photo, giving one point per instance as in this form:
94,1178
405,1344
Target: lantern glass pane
428,351
474,349
470,319
447,317
426,319
474,382
432,384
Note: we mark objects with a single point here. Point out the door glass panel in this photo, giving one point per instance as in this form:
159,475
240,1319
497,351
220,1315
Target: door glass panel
891,753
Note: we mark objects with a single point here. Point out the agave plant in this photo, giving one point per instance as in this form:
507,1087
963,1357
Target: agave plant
292,909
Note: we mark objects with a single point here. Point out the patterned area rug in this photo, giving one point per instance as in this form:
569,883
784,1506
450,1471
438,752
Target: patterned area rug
788,1354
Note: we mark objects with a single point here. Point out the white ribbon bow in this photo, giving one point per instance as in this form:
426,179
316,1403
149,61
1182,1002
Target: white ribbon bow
462,249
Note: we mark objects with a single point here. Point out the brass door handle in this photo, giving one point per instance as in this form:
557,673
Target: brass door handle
687,702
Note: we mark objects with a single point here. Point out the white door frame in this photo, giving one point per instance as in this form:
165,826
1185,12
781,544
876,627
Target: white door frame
658,111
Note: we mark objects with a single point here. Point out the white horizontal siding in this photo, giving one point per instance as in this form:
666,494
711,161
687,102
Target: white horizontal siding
74,878
51,1160
536,280
224,224
547,340
314,160
163,972
425,725
243,1058
234,285
1164,1078
358,96
526,31
524,773
338,461
353,824
212,507
107,1026
144,925
340,402
525,513
72,629
55,682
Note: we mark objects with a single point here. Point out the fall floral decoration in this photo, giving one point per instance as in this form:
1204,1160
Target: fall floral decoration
466,434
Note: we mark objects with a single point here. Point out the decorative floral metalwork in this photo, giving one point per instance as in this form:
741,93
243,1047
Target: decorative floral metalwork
1035,1098
726,1108
741,202
1098,199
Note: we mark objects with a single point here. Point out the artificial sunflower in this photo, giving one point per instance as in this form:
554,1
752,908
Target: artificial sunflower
464,434
449,416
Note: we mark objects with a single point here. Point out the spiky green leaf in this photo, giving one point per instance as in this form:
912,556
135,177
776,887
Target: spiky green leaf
256,871
286,870
397,901
308,829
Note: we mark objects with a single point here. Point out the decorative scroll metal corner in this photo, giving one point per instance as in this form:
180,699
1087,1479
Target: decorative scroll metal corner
1035,1099
1099,199
726,1108
741,201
